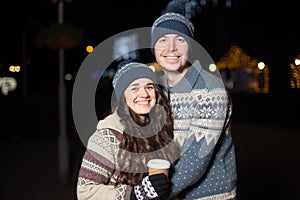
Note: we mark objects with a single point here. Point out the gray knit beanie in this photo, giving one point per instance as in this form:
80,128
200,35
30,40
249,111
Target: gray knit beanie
172,23
129,72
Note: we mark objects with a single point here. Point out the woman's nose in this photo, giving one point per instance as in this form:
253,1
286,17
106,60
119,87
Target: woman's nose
144,92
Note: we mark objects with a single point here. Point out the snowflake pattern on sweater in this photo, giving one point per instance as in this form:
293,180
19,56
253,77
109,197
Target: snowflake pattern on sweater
201,110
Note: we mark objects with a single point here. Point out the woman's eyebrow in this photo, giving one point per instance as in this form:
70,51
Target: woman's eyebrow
137,84
134,84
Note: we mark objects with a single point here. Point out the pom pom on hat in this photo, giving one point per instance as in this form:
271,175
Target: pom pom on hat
128,72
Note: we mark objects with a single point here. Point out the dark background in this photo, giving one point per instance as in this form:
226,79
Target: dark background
265,126
265,29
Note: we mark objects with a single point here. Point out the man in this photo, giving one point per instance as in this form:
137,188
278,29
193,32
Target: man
202,114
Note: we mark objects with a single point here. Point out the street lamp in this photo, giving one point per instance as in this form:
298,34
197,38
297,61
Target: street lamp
63,145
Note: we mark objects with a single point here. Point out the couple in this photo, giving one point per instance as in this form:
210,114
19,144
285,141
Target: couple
193,133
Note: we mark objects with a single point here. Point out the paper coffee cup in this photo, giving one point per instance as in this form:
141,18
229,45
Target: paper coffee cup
157,166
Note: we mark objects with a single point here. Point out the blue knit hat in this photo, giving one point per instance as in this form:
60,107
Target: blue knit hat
129,72
172,23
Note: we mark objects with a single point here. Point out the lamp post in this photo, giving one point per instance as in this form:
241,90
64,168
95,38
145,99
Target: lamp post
63,145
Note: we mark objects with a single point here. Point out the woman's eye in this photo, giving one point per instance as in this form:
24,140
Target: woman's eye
150,87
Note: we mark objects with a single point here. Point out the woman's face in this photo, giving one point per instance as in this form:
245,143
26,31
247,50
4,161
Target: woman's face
140,96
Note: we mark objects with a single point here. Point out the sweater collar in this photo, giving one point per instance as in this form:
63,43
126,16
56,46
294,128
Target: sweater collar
190,78
112,122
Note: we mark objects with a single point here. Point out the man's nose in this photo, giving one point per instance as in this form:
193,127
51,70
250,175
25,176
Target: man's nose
172,46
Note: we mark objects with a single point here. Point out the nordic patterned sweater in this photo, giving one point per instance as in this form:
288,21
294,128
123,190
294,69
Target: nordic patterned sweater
201,108
98,173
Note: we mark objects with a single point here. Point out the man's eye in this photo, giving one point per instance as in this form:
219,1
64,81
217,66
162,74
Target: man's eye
181,40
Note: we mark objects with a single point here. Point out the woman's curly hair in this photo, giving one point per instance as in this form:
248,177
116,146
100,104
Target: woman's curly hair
145,140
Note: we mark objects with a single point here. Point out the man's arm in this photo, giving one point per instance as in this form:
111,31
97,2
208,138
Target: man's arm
210,115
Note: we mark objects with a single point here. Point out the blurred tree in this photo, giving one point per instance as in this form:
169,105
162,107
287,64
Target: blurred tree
59,36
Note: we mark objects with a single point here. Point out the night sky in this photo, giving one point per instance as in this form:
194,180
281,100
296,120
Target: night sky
263,29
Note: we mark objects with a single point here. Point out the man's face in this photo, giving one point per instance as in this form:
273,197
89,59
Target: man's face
171,52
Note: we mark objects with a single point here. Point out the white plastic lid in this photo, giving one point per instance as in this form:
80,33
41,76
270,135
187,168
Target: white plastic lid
159,164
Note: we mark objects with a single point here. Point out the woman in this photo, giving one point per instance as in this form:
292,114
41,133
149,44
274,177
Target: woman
140,128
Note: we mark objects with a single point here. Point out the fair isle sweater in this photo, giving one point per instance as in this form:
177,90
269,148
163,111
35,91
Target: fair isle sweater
207,167
97,174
